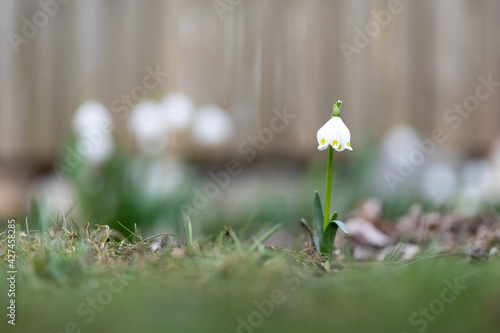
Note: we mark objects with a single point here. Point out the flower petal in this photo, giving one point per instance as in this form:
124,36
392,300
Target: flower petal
336,134
324,136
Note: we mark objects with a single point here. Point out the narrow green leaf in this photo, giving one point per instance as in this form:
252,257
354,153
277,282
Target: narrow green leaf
340,224
190,233
28,229
334,217
319,217
316,242
329,236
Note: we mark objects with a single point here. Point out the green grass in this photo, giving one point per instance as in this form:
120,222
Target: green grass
212,285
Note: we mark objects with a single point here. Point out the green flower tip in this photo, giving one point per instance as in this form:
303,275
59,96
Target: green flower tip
336,109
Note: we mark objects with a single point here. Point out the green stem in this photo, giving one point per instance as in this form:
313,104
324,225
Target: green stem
328,187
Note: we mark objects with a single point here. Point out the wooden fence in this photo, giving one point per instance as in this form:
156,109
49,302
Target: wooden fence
249,57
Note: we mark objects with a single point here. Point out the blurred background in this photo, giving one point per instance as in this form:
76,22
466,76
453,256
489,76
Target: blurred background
144,112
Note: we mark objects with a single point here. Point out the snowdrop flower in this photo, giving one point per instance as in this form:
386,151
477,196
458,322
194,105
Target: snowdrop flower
334,132
212,126
91,116
398,141
100,152
439,183
149,126
336,135
495,161
93,124
477,175
157,177
178,110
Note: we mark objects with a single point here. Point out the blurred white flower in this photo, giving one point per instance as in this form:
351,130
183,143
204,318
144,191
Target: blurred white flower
147,122
439,183
56,194
91,115
212,126
477,175
399,141
468,201
93,125
334,133
157,178
177,110
100,152
495,160
164,177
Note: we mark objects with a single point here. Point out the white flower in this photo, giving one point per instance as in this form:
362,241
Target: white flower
148,124
98,152
178,110
91,116
336,134
439,182
157,177
93,124
212,126
398,141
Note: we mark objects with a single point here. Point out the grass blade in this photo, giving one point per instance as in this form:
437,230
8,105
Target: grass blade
132,233
237,242
266,236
